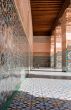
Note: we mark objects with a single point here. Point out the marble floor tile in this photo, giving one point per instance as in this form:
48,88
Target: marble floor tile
43,94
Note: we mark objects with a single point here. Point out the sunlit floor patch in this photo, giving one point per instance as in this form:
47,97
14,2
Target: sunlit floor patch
43,94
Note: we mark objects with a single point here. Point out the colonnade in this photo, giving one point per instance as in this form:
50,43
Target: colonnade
61,43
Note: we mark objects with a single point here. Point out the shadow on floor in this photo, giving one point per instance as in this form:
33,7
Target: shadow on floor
25,101
48,76
46,70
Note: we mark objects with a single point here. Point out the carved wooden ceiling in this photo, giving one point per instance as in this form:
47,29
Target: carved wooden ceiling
45,14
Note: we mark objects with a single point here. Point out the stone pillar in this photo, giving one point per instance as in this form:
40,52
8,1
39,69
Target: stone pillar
52,51
58,47
66,40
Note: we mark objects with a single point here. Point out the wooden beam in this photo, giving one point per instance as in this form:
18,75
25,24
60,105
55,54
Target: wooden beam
44,14
66,4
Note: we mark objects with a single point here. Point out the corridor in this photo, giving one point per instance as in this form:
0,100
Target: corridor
35,54
42,94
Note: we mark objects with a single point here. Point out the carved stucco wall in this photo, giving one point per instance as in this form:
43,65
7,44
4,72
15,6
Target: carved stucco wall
15,51
24,9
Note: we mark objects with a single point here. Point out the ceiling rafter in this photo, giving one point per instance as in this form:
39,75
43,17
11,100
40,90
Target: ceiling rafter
65,5
45,14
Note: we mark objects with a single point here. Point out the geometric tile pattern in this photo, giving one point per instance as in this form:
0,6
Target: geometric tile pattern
68,59
24,101
43,94
41,61
52,61
59,60
13,55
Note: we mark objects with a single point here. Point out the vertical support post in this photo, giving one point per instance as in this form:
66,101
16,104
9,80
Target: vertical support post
66,40
52,51
58,47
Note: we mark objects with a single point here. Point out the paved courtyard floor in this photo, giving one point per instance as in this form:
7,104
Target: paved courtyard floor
43,94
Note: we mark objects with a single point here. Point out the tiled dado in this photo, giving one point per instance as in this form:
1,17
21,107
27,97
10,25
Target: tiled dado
13,49
59,60
41,61
52,61
68,59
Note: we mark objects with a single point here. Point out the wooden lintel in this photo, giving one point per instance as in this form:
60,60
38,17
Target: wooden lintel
66,4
